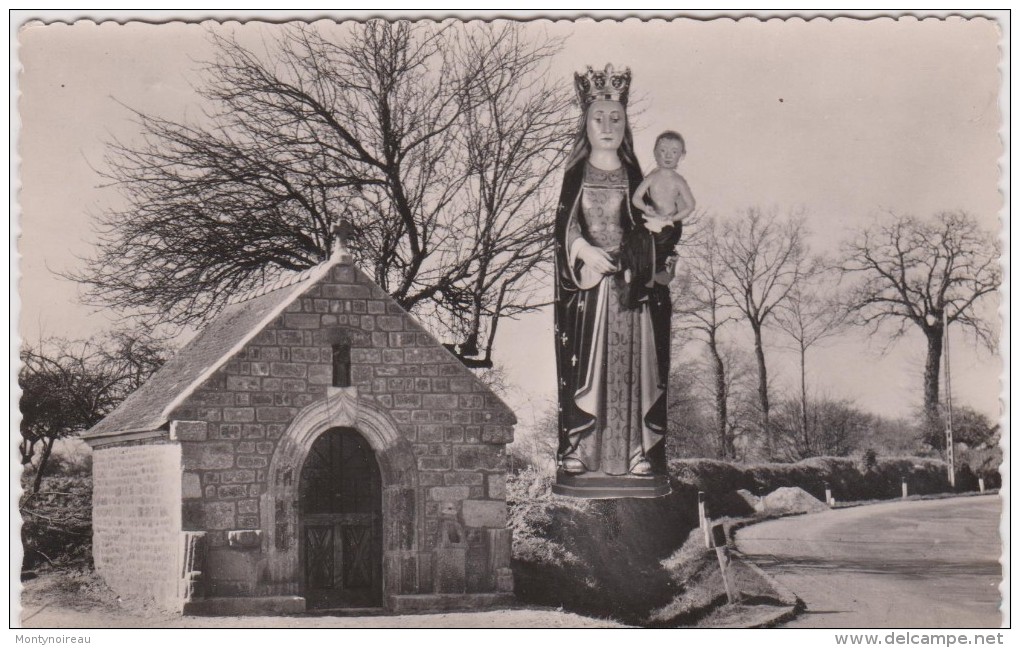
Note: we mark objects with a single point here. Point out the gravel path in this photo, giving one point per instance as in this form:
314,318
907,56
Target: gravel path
55,601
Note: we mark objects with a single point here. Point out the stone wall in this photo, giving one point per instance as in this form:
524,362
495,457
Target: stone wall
136,521
231,426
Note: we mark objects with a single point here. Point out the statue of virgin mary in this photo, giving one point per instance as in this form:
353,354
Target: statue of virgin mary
612,359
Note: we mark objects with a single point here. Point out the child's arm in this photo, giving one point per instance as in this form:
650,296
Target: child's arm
639,197
684,200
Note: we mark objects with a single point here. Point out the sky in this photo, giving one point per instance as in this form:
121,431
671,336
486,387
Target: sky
843,120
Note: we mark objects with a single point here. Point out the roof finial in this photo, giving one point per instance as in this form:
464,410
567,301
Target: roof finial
342,232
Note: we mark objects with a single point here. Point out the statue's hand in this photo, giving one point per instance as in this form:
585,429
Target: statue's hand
655,223
597,258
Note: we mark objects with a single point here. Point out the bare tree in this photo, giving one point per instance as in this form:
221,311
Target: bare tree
765,258
435,141
809,319
701,309
69,386
924,273
839,426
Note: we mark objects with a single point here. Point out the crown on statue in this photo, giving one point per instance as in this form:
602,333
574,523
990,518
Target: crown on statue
605,84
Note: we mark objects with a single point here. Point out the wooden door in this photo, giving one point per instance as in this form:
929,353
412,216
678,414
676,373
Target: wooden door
341,510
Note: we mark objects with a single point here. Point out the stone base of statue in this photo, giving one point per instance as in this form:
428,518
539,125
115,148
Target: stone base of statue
595,485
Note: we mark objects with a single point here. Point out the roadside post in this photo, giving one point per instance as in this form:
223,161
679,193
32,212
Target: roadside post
701,510
950,454
981,484
706,530
723,555
904,487
828,495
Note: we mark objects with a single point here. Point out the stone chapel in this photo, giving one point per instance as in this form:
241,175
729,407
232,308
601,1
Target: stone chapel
311,448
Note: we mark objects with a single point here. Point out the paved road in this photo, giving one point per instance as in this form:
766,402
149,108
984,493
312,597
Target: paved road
919,564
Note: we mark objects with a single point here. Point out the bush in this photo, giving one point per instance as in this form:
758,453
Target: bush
844,476
56,529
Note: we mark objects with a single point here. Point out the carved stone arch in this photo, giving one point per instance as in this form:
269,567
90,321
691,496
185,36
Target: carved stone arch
280,573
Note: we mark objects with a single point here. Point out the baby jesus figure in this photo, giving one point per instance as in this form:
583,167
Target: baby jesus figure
670,199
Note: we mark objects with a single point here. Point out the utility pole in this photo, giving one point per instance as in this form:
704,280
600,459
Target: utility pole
950,458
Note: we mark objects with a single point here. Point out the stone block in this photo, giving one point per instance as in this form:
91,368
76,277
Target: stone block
248,521
448,493
191,485
248,507
450,570
343,274
497,486
505,580
238,414
393,356
498,548
401,504
430,434
207,456
238,476
301,320
408,574
243,383
252,462
261,399
463,479
403,339
188,430
426,572
479,578
274,414
468,457
294,384
462,385
253,431
434,463
288,369
346,291
193,515
390,322
218,515
302,354
232,491
408,401
226,431
439,401
484,513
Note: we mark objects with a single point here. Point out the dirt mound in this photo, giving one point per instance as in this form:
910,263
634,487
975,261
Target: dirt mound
789,499
596,557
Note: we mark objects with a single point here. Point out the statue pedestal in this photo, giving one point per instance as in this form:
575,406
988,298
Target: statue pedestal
595,485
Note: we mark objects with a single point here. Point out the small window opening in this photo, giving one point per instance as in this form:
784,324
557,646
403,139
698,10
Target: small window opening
341,365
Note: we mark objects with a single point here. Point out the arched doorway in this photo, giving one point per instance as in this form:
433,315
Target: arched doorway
340,502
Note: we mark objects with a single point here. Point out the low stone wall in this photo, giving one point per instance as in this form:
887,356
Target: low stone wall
136,522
